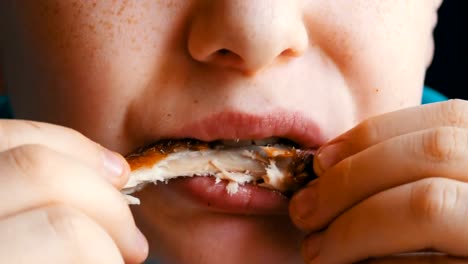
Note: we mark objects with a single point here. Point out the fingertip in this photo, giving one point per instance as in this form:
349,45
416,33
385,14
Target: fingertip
136,247
328,156
125,175
304,204
126,172
117,169
142,247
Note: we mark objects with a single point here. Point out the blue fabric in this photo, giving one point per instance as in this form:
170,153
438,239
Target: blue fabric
432,96
5,109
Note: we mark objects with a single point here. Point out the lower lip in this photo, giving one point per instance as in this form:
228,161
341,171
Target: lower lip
249,199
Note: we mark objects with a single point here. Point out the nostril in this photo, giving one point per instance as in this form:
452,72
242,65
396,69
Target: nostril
290,53
225,57
223,52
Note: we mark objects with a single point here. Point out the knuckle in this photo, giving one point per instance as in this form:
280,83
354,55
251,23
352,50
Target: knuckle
433,199
30,158
74,133
10,129
64,223
72,229
455,112
369,131
32,124
444,143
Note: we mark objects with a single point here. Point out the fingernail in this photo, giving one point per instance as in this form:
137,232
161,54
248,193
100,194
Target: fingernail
328,156
113,163
141,242
311,247
304,204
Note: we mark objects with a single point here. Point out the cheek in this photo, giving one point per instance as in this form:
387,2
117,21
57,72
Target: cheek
102,52
84,40
381,47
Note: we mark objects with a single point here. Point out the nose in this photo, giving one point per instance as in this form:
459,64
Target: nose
247,35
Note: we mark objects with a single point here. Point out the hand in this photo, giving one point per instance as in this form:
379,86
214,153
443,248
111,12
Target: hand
396,183
60,201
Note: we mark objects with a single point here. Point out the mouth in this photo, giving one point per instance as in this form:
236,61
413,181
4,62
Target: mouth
239,127
230,174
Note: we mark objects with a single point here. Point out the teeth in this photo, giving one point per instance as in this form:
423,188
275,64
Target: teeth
249,142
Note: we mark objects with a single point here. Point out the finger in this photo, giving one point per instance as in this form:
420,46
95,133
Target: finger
35,176
428,214
439,152
14,133
55,234
380,128
426,258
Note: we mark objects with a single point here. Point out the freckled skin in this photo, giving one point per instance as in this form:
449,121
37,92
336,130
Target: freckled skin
125,73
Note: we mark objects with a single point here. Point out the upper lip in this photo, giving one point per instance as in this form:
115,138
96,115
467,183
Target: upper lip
294,126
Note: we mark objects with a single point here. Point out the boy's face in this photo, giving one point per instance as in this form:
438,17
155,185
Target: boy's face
127,73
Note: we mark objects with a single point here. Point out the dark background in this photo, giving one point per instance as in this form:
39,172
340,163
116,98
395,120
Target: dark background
448,72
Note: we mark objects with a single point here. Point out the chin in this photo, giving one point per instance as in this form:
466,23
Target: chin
181,231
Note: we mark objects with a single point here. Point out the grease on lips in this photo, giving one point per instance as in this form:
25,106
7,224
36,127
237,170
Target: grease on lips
272,163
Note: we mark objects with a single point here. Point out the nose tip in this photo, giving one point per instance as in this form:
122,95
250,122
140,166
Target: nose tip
227,58
250,58
223,58
251,40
